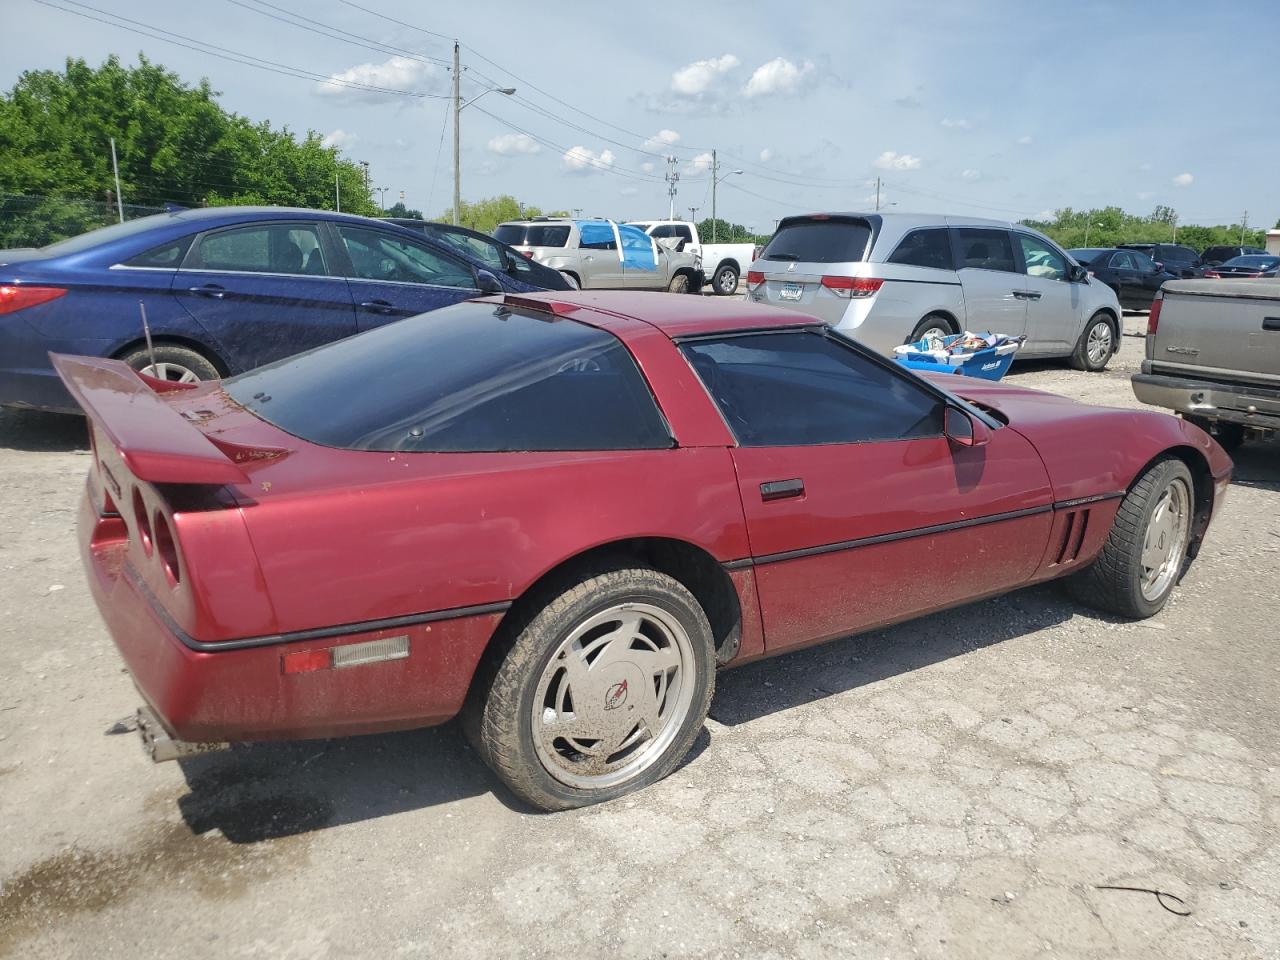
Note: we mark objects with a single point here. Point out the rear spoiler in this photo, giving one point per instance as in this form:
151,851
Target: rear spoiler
155,442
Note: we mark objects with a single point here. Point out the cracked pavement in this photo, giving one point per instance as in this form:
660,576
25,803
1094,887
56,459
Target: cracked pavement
959,786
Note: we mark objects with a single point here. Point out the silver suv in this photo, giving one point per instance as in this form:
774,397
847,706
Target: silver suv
891,278
595,263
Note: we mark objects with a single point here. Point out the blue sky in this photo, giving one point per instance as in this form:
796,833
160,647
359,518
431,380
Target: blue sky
1005,110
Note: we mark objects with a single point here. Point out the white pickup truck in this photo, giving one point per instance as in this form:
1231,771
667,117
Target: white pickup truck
723,263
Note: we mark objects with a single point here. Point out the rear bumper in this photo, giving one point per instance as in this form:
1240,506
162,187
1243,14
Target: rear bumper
1249,406
244,694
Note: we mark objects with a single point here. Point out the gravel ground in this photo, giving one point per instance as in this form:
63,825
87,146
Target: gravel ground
960,786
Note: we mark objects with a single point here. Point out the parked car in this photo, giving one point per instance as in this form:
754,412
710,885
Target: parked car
1253,265
1178,260
497,256
1213,355
558,514
225,289
892,278
589,254
1131,274
1216,255
723,263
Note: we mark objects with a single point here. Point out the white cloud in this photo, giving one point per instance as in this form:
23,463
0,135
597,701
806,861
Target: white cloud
398,73
766,155
339,138
889,160
697,78
1183,180
663,138
960,124
699,164
510,144
1024,140
971,174
581,160
777,76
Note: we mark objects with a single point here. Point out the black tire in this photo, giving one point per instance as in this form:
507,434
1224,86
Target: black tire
1113,582
679,284
1081,358
574,282
725,282
175,360
934,321
1230,436
498,717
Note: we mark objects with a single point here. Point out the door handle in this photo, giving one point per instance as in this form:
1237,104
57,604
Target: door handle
1026,295
208,290
378,306
781,489
587,258
1271,323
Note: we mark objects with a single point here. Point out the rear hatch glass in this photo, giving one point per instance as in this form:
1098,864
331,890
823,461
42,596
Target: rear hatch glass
806,240
533,234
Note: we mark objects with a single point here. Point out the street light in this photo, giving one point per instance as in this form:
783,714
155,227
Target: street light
715,181
458,106
382,205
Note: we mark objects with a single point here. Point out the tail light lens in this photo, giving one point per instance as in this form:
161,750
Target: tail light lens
1210,273
853,288
755,278
17,297
1153,319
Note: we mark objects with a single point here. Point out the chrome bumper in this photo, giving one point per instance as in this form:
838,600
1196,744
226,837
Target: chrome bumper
1244,405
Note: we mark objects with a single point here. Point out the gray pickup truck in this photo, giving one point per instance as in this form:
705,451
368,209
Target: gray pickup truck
1213,355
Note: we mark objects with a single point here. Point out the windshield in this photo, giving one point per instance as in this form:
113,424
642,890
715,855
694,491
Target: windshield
819,241
468,378
533,234
1087,255
1264,263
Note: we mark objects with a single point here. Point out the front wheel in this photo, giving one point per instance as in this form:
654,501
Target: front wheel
1143,557
679,284
1096,345
571,280
602,692
725,281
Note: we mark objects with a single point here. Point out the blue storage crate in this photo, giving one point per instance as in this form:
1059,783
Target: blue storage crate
990,363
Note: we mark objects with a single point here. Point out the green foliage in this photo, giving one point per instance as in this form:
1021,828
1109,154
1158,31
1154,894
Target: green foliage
174,144
485,215
1111,225
726,232
398,209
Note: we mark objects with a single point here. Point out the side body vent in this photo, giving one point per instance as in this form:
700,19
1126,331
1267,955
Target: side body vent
1072,537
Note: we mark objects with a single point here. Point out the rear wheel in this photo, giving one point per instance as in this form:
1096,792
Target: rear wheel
679,284
725,281
602,692
935,324
1143,557
1096,345
172,362
572,280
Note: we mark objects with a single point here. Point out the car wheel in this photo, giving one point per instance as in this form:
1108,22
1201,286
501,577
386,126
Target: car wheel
1096,345
725,281
1143,557
679,284
572,280
935,324
603,690
1230,436
172,362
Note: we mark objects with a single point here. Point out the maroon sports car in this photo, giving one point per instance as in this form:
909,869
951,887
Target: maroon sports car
558,515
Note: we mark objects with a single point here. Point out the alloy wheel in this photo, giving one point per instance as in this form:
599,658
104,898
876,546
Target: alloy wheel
1099,343
1165,541
175,372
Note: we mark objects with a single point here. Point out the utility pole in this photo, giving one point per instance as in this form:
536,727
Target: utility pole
672,178
1175,228
365,165
715,168
457,131
1244,222
693,214
337,193
115,167
877,194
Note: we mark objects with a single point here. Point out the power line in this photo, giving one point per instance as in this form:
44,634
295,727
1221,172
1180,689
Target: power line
334,33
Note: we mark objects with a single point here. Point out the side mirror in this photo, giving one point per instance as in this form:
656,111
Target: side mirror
1078,274
1159,267
487,283
962,430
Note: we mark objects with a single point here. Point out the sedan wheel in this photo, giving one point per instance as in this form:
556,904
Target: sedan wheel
170,371
169,361
603,690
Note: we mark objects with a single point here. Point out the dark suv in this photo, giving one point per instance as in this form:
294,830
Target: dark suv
1216,255
1182,262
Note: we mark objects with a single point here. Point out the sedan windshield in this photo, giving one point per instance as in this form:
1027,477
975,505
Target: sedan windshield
1254,262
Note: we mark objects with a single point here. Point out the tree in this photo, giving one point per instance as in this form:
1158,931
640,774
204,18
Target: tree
400,210
485,215
726,232
173,141
1109,226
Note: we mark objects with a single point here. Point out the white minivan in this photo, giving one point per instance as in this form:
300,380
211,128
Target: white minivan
891,278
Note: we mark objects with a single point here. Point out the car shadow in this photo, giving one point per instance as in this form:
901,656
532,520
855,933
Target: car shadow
41,432
257,792
1257,465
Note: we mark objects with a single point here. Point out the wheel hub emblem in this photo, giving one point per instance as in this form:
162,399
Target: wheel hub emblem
615,696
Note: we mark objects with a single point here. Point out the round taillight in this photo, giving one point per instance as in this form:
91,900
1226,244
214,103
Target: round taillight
167,550
142,520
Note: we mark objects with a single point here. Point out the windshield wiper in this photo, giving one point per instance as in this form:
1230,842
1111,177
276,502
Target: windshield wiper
782,256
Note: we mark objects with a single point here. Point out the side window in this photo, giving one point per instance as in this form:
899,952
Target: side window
262,248
380,256
986,249
1142,262
483,250
662,231
599,245
683,232
166,256
1187,254
1122,261
803,388
1041,259
924,248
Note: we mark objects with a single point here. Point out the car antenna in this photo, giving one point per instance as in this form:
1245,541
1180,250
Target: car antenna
151,350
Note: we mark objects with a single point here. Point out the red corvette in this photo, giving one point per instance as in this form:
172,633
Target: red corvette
558,515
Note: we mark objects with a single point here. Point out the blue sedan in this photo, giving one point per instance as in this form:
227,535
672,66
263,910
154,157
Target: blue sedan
225,290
